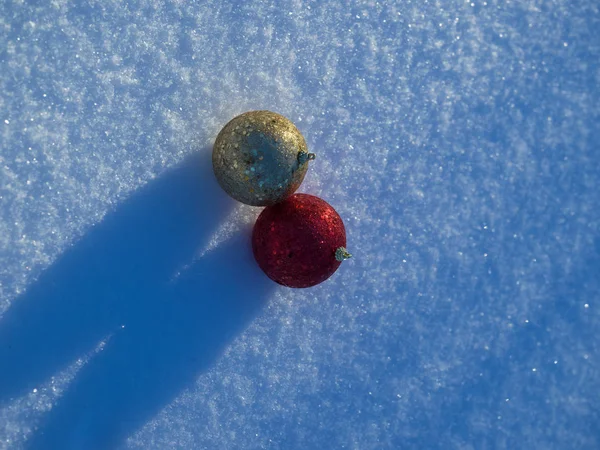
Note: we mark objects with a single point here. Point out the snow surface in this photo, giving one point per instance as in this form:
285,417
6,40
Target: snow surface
458,141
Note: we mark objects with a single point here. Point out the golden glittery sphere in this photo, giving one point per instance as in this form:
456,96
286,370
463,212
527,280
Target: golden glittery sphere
260,158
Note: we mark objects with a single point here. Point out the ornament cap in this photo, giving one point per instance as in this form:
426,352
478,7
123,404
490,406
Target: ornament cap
341,254
305,156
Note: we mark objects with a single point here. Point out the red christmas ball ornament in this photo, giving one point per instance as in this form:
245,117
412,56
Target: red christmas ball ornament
299,242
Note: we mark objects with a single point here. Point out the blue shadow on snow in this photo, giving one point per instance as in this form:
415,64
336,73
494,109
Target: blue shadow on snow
122,273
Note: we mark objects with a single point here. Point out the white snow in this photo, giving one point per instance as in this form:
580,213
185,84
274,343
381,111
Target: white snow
457,140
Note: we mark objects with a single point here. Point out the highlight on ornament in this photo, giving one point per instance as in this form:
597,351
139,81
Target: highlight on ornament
299,242
260,158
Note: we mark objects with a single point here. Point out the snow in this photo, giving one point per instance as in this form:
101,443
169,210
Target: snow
457,140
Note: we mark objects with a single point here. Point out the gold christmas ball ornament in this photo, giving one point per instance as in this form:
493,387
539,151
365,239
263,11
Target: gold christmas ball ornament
260,158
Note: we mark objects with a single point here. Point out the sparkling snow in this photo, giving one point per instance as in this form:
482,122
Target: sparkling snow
458,141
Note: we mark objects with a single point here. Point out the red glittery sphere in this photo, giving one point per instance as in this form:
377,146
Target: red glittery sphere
295,241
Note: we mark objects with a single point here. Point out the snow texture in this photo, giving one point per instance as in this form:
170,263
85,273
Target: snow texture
457,140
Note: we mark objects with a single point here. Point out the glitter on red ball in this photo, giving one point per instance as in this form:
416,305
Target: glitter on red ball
299,242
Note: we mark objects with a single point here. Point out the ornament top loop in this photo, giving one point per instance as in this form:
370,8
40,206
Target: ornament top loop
305,156
342,254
